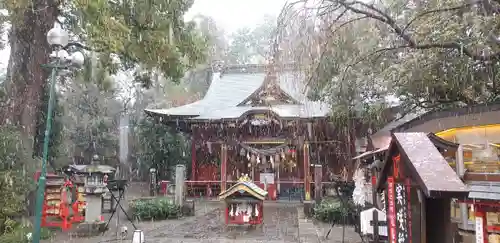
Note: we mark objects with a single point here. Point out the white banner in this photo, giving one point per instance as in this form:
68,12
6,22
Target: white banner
479,230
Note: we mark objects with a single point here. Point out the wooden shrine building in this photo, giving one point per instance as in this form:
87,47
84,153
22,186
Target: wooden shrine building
258,120
243,203
418,185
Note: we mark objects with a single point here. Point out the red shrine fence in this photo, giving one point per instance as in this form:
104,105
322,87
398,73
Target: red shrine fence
284,190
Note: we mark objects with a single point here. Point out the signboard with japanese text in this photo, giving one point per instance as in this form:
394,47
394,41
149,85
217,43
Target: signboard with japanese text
383,201
402,217
479,230
391,215
408,200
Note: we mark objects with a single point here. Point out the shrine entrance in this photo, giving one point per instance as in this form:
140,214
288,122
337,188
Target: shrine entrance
417,185
253,120
272,164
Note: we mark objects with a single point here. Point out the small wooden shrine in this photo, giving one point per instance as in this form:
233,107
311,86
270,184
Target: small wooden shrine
244,203
63,203
417,185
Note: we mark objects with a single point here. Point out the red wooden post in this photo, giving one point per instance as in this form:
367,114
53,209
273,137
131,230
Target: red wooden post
307,183
223,173
193,159
227,213
391,215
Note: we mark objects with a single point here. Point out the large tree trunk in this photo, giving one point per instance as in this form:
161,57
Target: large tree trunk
25,77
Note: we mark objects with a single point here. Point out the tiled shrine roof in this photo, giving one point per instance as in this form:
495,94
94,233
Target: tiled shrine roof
228,92
245,186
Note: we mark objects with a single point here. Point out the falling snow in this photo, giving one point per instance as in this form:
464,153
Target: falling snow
238,87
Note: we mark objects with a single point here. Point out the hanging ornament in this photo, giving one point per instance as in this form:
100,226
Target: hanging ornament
283,155
277,158
209,146
258,159
253,159
248,156
249,165
300,141
242,152
271,160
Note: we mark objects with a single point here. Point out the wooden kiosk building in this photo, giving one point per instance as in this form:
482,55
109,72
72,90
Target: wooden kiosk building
470,143
418,186
257,120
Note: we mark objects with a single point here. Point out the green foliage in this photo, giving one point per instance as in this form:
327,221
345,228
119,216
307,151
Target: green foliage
155,209
249,45
56,132
91,122
19,235
16,170
332,211
430,55
161,147
152,33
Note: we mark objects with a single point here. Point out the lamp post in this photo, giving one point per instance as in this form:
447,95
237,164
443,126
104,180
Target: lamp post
57,39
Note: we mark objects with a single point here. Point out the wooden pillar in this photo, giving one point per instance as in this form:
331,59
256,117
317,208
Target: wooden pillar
223,167
481,225
438,220
193,159
374,190
307,176
318,178
460,169
423,216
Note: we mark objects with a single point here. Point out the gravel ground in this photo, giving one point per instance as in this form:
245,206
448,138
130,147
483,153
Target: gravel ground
281,224
336,234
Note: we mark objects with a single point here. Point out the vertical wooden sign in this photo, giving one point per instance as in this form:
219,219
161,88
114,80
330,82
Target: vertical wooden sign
401,206
391,214
408,199
480,237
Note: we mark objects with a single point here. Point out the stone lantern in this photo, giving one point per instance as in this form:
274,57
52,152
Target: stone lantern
95,187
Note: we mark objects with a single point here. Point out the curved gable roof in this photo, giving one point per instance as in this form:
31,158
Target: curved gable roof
227,91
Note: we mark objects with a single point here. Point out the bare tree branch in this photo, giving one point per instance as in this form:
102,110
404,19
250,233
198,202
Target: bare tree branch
385,18
439,10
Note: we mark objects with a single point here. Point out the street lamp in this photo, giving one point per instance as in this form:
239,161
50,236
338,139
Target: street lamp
60,59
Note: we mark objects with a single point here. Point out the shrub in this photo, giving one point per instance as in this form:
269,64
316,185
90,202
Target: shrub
16,170
333,211
20,235
154,209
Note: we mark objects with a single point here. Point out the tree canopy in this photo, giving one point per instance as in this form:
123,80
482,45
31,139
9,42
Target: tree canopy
143,37
428,54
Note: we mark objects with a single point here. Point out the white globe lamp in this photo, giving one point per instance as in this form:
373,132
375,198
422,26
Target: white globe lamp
57,37
62,55
77,58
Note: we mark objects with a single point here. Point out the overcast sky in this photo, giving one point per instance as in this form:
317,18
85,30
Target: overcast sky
234,14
